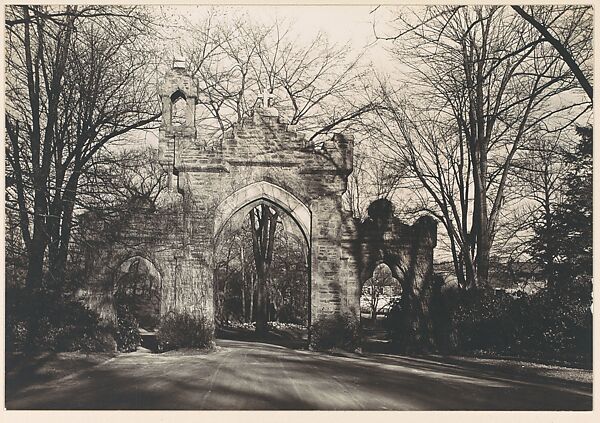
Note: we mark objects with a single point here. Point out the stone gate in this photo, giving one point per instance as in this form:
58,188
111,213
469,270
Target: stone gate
261,160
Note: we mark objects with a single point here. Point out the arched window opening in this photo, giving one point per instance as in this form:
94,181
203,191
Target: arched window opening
379,293
179,111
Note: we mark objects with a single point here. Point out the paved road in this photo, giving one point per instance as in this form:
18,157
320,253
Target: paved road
251,375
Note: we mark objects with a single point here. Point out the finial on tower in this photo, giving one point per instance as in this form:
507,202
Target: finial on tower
265,107
267,99
178,62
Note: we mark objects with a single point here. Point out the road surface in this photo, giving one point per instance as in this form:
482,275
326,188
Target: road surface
257,376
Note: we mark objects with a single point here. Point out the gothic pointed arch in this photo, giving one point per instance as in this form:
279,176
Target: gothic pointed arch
263,192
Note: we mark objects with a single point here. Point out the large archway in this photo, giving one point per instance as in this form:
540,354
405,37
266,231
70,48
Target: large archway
286,292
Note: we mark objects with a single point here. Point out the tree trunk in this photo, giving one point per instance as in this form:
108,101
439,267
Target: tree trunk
61,234
263,222
416,327
261,301
252,286
243,283
35,270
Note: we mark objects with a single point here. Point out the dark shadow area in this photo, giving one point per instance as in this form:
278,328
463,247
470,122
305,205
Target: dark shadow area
149,341
249,375
374,336
22,370
376,345
25,370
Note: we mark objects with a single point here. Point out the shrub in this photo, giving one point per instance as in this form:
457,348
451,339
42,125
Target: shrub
79,329
561,321
395,324
18,309
127,332
183,330
63,324
340,330
410,328
546,323
16,334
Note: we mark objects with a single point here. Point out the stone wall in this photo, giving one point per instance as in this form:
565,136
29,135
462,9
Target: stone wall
261,160
159,237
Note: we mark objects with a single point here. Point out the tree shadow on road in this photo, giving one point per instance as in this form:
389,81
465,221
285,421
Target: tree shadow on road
25,370
260,376
245,375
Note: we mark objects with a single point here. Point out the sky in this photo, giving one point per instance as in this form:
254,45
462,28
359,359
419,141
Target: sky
341,24
352,25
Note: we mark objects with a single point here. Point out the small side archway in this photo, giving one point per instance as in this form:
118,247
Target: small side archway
381,288
138,286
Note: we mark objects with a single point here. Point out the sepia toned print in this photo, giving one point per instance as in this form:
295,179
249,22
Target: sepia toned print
249,208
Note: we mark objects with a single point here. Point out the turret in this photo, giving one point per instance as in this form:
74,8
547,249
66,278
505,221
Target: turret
179,96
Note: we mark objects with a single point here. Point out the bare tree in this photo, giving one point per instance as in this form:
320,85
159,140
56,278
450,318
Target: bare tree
73,86
319,86
485,80
263,223
374,289
372,178
547,19
116,177
537,176
285,295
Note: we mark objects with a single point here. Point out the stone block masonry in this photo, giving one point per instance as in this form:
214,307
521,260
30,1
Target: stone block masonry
262,160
